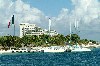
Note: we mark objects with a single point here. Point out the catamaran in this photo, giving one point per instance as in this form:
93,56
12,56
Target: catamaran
77,47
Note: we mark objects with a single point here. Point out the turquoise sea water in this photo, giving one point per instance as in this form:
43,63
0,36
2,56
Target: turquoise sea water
51,59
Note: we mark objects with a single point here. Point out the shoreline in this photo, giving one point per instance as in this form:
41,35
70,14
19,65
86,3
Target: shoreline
42,49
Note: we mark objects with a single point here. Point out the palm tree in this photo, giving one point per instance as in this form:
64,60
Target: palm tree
3,41
24,40
17,41
74,38
84,41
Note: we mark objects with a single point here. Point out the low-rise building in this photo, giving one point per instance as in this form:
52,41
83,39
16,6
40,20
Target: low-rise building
32,29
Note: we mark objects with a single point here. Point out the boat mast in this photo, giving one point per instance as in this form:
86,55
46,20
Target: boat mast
70,32
76,27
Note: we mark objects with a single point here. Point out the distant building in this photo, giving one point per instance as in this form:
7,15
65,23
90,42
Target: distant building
32,29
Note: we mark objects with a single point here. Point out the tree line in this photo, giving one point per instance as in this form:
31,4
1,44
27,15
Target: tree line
42,40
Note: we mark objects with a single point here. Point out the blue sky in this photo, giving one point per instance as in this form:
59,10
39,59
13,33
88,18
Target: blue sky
50,7
85,12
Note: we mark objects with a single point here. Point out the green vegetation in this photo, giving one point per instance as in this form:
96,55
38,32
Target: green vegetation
42,40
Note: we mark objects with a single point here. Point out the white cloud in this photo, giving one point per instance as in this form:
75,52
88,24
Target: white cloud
23,13
87,12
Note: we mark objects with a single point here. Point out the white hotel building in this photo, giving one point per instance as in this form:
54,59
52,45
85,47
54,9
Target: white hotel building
32,29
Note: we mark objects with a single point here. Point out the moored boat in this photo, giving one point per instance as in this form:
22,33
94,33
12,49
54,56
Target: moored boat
5,51
55,49
79,49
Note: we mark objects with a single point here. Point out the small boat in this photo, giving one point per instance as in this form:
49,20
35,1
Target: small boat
79,49
5,51
53,49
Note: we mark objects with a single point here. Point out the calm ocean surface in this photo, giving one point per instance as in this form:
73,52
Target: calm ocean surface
51,59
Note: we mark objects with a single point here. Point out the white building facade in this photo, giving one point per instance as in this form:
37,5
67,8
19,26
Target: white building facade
32,29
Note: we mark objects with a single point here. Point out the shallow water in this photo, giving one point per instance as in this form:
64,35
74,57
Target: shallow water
52,59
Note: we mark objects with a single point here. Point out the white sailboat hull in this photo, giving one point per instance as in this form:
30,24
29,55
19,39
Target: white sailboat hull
54,50
80,49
